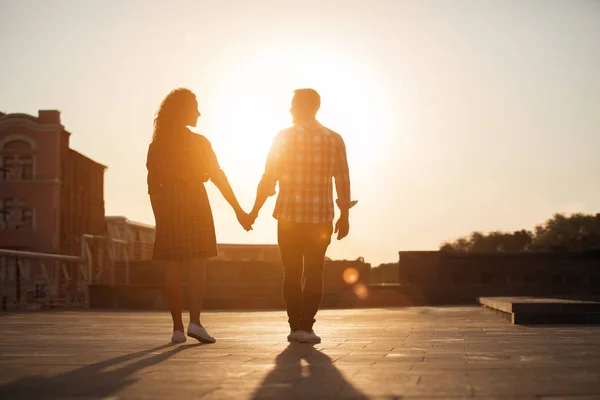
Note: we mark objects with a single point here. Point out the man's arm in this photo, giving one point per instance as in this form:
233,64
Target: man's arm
341,174
266,187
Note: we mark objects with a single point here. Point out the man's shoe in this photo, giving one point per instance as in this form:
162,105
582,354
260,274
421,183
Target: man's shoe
178,337
293,336
308,337
199,333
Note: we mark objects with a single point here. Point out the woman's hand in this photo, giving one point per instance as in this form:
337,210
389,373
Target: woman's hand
244,219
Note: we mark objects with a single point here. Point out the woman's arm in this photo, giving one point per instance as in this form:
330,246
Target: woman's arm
222,183
218,177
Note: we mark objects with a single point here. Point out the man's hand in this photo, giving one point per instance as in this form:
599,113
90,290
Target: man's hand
342,227
252,216
245,220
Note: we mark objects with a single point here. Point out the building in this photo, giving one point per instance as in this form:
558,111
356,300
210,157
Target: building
50,195
140,243
139,237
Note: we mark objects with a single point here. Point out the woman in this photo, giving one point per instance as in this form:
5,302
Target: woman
179,162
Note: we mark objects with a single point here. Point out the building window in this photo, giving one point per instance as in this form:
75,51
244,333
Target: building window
26,164
27,218
40,291
5,167
17,167
13,215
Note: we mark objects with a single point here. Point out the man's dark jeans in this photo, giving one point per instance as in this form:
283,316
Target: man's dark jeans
303,248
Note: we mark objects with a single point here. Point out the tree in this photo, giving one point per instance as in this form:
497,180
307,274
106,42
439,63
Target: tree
567,233
572,233
492,242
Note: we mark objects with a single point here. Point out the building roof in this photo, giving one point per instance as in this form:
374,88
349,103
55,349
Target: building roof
46,117
124,219
18,115
86,157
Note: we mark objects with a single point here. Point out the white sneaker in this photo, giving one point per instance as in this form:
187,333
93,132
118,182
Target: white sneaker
178,337
199,333
308,337
293,336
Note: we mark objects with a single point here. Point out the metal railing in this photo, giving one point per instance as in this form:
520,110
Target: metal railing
66,287
113,247
55,278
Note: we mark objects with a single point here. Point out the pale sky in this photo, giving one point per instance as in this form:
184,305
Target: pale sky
457,115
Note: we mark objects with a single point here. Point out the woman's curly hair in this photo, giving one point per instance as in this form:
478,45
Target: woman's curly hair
171,112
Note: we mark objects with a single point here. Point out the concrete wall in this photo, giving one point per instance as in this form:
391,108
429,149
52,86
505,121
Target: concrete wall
229,285
424,278
451,278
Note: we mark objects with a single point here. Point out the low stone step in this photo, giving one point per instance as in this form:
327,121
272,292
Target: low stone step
582,318
544,311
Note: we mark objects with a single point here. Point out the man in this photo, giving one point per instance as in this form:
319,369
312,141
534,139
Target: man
303,159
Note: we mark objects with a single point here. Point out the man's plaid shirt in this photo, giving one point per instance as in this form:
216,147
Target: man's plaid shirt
303,159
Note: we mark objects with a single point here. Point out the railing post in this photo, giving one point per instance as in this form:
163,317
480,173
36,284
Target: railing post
126,268
112,272
100,257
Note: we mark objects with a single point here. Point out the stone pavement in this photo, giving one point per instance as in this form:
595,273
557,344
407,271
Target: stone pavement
408,353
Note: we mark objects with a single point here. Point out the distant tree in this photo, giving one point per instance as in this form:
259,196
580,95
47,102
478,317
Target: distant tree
492,242
568,233
447,247
522,239
576,232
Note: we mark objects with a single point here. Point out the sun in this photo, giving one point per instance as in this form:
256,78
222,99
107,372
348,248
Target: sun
254,101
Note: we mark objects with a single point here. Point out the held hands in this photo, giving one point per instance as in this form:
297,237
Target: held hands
245,220
342,226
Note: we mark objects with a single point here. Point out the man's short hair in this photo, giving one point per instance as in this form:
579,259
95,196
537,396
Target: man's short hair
307,100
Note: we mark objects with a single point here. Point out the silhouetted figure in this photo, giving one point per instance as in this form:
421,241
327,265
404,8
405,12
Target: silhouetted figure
303,159
179,162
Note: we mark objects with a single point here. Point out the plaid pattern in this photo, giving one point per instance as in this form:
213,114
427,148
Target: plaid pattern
303,159
184,222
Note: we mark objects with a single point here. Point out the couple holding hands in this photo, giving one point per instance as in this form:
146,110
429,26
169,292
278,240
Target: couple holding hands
303,159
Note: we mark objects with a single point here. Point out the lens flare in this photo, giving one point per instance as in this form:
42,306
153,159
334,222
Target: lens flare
350,275
361,291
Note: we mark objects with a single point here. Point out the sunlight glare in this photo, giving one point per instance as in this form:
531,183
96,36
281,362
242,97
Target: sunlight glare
255,99
350,275
361,291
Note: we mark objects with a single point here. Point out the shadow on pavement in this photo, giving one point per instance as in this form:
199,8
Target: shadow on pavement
97,380
318,378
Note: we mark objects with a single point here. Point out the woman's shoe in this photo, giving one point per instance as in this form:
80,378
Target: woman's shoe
199,333
178,337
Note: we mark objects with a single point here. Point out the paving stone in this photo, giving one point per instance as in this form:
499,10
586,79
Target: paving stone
410,353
